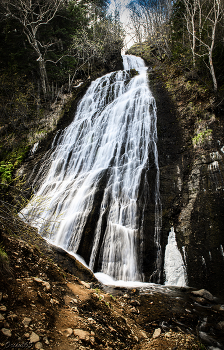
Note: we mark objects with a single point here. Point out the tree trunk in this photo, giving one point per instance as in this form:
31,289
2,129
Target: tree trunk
43,76
215,85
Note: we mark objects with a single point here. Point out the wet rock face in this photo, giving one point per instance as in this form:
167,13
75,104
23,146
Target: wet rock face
191,187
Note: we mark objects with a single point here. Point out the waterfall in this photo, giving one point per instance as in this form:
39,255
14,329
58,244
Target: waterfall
88,187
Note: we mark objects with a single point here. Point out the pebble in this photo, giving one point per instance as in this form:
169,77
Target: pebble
3,308
201,300
168,334
134,310
6,332
83,335
157,333
67,332
85,284
91,320
220,325
34,338
26,321
74,301
46,340
38,345
135,302
44,283
1,317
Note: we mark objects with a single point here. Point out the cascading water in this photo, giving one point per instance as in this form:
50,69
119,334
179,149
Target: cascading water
89,183
174,267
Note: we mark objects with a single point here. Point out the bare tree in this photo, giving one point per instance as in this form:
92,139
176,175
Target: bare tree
150,21
211,18
32,15
190,15
202,18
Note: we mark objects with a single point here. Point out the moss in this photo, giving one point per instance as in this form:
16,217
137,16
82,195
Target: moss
201,137
4,261
12,160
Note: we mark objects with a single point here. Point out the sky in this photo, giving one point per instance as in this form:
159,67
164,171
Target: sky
121,6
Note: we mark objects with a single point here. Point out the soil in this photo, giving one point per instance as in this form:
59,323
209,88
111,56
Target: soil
44,307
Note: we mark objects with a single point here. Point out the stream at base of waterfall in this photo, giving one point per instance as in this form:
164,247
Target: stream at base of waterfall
87,188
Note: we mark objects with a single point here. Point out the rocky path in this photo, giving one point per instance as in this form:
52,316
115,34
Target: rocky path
44,307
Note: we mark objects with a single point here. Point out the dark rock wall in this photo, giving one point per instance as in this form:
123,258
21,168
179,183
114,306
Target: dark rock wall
192,189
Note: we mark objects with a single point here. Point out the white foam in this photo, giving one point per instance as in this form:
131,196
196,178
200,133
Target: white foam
174,267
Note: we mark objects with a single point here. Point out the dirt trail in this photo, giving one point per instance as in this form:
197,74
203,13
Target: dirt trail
44,307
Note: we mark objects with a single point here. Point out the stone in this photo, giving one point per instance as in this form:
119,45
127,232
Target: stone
220,325
37,279
75,309
1,317
87,285
68,332
201,300
83,335
92,339
34,338
26,321
44,283
134,310
0,296
135,302
157,333
26,335
3,308
54,301
168,334
91,320
46,340
6,332
38,345
73,301
203,293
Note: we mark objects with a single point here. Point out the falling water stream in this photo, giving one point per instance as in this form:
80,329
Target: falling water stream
96,166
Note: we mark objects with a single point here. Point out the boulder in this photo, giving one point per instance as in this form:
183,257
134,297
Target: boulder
34,338
203,293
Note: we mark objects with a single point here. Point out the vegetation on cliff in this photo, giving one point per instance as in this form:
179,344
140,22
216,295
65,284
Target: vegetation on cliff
47,48
188,33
